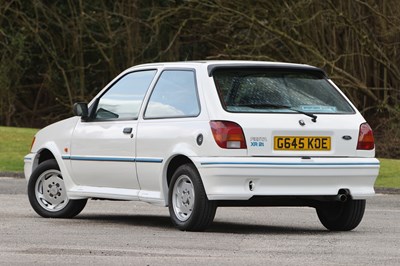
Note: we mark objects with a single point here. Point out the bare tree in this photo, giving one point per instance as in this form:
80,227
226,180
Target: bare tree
58,52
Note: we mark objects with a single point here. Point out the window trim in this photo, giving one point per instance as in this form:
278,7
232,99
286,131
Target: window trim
155,85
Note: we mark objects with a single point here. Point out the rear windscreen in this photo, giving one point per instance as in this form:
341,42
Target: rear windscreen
266,90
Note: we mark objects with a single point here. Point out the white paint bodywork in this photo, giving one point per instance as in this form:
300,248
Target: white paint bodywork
98,160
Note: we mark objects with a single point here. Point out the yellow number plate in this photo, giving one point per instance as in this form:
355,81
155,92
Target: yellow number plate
302,143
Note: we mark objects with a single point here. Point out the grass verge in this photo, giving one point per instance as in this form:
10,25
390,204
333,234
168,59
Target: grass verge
389,174
15,144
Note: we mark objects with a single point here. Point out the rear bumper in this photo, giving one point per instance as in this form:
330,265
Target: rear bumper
228,178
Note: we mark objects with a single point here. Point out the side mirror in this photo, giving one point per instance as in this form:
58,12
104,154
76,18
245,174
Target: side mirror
81,109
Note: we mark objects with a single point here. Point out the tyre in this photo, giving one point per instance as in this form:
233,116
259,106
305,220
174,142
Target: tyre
47,194
189,207
338,216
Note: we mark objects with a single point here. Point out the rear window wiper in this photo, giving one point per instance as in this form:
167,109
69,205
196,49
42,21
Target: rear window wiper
278,106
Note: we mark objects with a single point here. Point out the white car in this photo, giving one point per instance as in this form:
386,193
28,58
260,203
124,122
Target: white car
195,136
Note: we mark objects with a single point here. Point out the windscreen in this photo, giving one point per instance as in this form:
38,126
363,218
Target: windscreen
271,90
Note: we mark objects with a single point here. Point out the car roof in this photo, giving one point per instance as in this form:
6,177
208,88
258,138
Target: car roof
212,65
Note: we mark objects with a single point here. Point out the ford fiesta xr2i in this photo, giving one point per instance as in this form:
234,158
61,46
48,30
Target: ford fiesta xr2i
194,136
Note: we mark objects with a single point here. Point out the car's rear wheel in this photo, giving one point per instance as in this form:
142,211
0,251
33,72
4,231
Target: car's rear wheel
189,206
47,193
341,216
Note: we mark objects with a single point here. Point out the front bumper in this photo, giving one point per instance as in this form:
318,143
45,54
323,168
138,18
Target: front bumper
240,178
29,161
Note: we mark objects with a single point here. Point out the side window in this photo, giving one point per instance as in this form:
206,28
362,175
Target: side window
123,100
175,95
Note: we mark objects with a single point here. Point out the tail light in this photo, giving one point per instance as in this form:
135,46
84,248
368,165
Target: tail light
365,138
228,135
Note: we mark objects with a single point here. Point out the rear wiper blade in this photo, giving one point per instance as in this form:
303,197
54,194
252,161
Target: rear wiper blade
263,105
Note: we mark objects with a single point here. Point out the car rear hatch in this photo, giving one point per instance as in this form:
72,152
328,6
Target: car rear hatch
288,110
297,135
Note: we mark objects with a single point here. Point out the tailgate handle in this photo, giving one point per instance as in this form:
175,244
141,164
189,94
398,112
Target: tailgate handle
127,130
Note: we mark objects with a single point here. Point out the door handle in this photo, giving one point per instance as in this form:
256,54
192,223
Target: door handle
127,130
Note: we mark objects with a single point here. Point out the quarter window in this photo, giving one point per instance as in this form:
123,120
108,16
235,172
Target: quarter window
123,100
175,95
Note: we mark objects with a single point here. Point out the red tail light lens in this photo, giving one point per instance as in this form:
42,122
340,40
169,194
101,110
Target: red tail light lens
365,138
228,135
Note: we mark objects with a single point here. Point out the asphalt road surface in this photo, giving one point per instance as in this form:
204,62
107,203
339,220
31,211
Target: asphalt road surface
135,233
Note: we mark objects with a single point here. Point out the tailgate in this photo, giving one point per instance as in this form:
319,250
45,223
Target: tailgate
296,135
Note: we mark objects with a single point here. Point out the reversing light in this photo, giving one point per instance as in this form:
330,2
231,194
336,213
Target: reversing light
228,135
365,138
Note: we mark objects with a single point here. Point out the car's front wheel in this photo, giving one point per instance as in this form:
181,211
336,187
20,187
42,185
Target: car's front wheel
47,193
341,216
189,206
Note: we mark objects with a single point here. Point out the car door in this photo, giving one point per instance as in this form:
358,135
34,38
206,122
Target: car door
170,125
103,148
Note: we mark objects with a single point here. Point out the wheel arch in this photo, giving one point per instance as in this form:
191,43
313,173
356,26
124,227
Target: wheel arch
173,164
44,155
40,156
50,151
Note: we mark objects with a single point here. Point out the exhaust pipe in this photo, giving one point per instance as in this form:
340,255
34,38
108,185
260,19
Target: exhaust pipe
341,197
